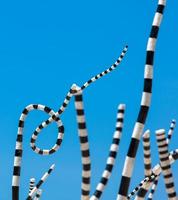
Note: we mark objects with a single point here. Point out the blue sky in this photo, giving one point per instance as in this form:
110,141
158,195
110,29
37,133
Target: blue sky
45,46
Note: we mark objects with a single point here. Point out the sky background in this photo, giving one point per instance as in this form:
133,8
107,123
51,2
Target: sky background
45,47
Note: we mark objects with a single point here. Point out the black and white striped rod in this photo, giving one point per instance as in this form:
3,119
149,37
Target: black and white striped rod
153,188
147,153
38,194
112,154
145,104
53,117
136,189
156,171
147,165
38,185
84,145
165,164
72,90
19,146
170,132
31,185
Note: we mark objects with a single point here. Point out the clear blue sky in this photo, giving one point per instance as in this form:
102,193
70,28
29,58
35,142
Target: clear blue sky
45,46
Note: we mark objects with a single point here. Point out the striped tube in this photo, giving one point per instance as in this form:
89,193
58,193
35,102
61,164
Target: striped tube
165,163
170,132
145,104
38,194
147,165
19,147
173,156
153,188
72,90
147,153
31,184
38,185
145,180
112,154
107,71
84,146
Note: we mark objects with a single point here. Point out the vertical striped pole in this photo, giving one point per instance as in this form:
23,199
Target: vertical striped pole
165,163
31,184
147,165
145,104
147,153
84,145
173,156
112,154
170,132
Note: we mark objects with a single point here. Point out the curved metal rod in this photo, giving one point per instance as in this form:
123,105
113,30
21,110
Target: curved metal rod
145,104
54,116
73,90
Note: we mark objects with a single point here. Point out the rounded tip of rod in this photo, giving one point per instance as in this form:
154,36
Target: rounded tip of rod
146,134
160,132
121,106
75,87
32,179
174,121
52,166
126,46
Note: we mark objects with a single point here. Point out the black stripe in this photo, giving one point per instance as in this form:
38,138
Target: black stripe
83,139
124,185
87,167
113,154
81,125
78,98
133,148
172,195
109,167
15,192
25,111
160,9
80,111
85,192
142,192
98,193
154,32
149,57
18,152
85,153
19,138
86,180
16,171
39,183
21,123
142,114
147,85
46,109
